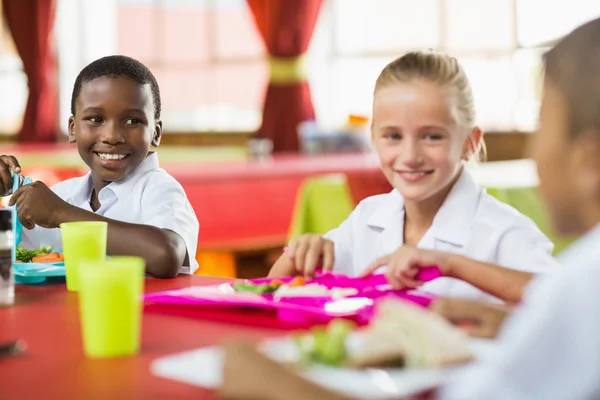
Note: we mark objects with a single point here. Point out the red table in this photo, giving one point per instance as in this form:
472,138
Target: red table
248,206
54,367
239,201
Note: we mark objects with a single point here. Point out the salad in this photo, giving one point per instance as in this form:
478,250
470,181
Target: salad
297,287
44,254
401,334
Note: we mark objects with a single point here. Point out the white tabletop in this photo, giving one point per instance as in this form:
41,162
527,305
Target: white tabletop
203,367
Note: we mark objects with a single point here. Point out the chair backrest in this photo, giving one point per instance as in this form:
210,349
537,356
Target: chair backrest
528,202
322,203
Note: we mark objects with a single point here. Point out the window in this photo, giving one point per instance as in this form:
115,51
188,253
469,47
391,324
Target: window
499,43
211,63
207,57
541,21
84,31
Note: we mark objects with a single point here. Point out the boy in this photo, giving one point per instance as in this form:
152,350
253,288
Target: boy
550,348
115,119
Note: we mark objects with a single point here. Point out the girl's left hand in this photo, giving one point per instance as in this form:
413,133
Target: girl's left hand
404,263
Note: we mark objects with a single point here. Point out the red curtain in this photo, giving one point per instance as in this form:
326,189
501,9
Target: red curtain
286,27
31,22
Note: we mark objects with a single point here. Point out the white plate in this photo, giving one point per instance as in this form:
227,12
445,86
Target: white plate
202,367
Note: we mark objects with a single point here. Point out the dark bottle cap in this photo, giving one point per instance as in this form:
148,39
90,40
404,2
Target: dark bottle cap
5,219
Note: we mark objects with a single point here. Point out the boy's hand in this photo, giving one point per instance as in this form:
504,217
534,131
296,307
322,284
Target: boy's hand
8,167
38,205
404,263
307,252
478,318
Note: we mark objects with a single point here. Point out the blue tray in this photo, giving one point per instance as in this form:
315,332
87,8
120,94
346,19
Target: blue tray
30,272
37,272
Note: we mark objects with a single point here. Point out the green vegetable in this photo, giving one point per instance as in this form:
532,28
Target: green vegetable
319,336
306,346
334,351
25,255
247,287
325,345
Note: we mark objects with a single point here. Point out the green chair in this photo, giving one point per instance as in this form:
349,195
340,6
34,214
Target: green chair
322,203
528,202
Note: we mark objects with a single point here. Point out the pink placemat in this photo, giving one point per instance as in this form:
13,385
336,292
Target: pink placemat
221,302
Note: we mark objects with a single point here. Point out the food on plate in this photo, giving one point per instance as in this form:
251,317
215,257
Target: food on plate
259,288
43,254
401,334
267,287
313,289
48,258
297,281
297,287
326,345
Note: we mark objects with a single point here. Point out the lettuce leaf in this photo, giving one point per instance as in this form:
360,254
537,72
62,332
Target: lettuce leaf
25,255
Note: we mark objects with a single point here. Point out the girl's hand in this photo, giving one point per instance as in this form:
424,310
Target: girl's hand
309,251
404,263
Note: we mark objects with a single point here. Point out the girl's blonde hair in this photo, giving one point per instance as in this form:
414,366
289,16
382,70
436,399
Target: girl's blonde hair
438,68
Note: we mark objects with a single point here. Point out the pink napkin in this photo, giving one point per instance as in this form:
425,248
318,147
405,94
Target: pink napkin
427,274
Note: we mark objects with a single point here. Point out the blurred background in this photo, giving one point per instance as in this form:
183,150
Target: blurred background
212,63
264,98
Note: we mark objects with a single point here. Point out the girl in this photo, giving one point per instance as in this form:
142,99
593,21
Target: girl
424,132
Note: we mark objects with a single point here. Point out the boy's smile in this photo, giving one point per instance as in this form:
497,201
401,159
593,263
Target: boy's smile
113,127
111,160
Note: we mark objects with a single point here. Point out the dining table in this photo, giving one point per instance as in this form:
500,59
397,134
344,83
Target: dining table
46,318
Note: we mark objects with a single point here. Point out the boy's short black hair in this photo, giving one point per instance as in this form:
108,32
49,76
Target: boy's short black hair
573,65
114,67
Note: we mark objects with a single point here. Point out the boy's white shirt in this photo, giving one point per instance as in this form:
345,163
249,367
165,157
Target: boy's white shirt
550,348
148,195
470,222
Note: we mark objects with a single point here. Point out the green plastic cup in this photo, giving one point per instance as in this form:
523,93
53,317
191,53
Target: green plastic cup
84,240
110,306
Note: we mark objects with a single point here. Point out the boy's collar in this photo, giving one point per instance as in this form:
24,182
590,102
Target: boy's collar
120,188
452,223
